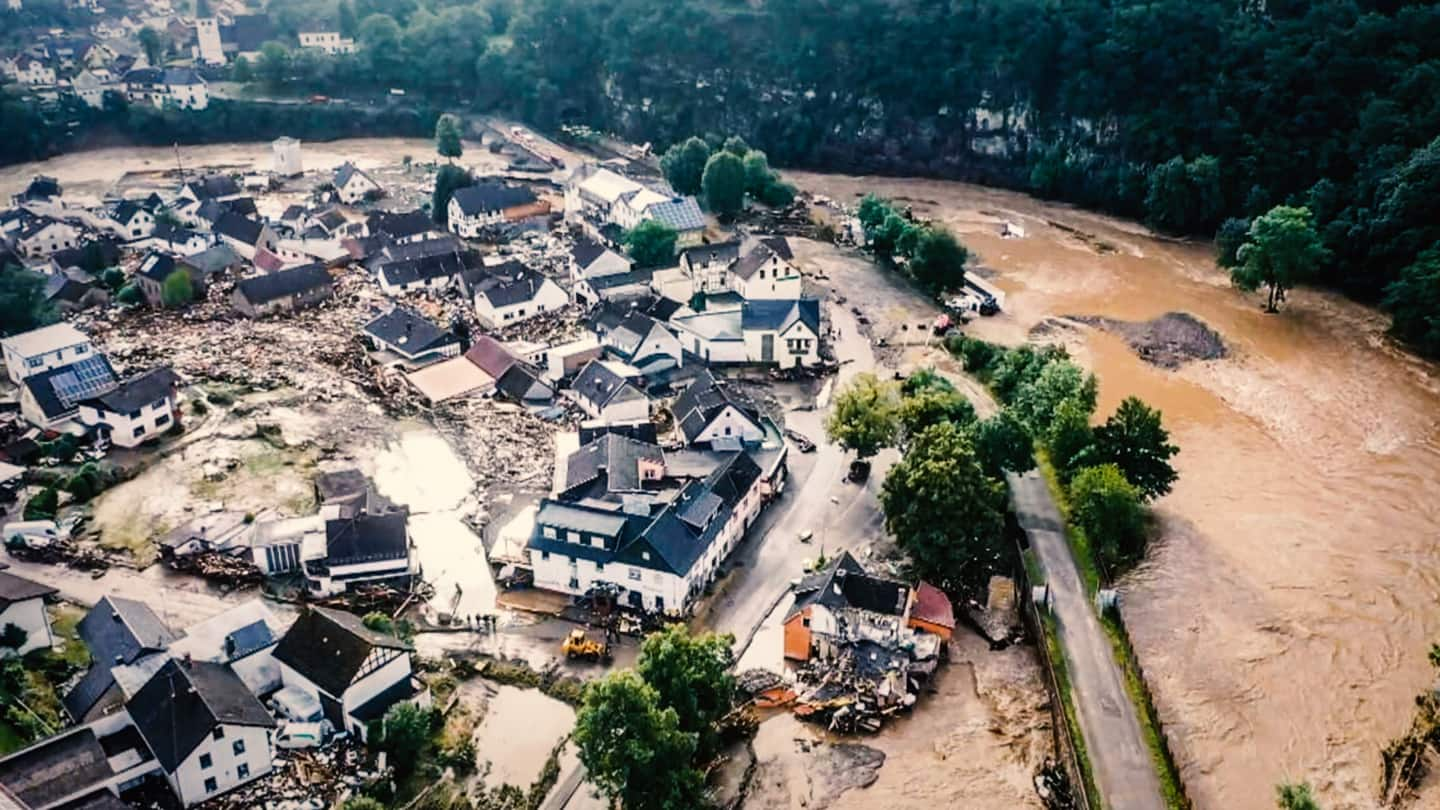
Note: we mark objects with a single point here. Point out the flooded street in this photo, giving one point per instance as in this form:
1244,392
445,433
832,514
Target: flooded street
1284,617
520,729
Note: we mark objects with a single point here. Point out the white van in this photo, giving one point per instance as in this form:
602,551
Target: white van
300,735
297,705
31,533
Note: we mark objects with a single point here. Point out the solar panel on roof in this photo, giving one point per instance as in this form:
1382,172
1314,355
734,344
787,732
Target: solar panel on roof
82,380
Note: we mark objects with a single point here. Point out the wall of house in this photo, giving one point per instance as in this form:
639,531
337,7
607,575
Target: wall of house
713,351
547,299
435,283
189,778
341,577
659,341
259,671
31,410
764,285
634,410
49,240
132,429
556,573
368,686
21,367
469,227
139,226
784,356
797,636
731,422
29,616
355,190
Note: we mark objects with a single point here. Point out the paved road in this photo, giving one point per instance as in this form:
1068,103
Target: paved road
1124,773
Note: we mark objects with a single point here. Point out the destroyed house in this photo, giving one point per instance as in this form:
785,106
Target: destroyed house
357,673
430,272
22,603
841,604
709,410
605,393
612,464
657,553
282,291
364,547
118,632
413,339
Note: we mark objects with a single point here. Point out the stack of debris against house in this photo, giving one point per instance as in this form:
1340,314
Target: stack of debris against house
864,645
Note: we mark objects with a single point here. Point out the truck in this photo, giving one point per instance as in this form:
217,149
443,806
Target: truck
579,645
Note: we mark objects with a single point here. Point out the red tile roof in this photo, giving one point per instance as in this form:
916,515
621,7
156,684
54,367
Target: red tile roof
932,606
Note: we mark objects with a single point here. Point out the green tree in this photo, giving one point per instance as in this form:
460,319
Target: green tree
13,636
1228,240
886,238
944,511
691,675
1295,796
724,184
1107,508
1281,250
379,622
937,261
778,193
349,25
872,211
1414,301
1002,444
931,405
447,181
1069,439
864,416
1135,440
651,243
130,295
405,732
757,173
241,71
1036,400
634,750
152,43
273,65
43,505
684,165
112,279
178,290
22,301
447,137
736,146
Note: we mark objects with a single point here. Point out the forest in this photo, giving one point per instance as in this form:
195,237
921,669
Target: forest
1188,114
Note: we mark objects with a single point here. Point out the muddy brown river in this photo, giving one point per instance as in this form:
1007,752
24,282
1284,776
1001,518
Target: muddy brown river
1284,617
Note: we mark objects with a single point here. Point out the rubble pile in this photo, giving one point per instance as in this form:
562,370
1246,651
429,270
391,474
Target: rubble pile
864,683
500,443
62,552
302,780
222,568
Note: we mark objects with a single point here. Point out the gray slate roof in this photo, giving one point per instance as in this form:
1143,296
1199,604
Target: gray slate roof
183,703
116,630
703,400
408,332
780,315
137,392
487,198
328,647
273,286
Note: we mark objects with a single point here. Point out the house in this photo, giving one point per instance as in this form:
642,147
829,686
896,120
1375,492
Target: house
150,277
786,333
564,361
363,548
245,235
242,638
490,356
76,769
841,604
403,228
590,259
598,273
411,338
509,293
42,188
357,673
605,392
283,291
207,731
180,88
206,265
33,71
352,185
286,157
241,39
50,398
639,340
713,336
43,349
525,384
73,290
117,631
22,604
754,269
434,272
42,236
483,205
932,611
91,86
656,553
218,187
596,196
450,379
134,411
708,411
330,42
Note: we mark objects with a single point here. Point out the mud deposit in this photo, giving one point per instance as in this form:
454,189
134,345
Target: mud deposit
1284,615
796,768
1169,341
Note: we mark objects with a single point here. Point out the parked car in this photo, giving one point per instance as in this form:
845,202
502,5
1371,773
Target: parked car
800,440
300,735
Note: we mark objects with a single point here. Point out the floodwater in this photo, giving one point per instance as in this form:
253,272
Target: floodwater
1284,617
520,729
420,470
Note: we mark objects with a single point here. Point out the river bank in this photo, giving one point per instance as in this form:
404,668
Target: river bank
1284,616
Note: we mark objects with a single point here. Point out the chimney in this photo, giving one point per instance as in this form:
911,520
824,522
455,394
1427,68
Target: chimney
186,661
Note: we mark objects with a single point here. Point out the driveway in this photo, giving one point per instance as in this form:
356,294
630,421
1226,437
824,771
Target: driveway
1124,772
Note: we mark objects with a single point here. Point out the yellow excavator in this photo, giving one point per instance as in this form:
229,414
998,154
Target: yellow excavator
579,645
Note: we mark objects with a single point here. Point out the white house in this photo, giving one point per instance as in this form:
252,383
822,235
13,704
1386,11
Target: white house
509,293
42,349
715,337
600,196
42,236
243,638
208,732
483,205
641,341
357,673
785,333
167,87
328,41
755,269
32,71
135,411
286,158
352,185
708,411
362,548
245,236
606,393
208,46
129,220
90,86
22,603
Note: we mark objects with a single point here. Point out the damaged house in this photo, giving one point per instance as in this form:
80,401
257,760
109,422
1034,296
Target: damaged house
510,293
487,204
606,391
402,336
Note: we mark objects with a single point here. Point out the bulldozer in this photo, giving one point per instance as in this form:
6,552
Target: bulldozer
580,645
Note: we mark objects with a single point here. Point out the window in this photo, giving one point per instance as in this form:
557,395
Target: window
82,349
597,542
159,403
659,603
634,574
242,771
574,537
163,419
219,733
137,433
206,762
727,430
645,555
544,555
574,584
549,531
34,362
210,785
599,566
238,747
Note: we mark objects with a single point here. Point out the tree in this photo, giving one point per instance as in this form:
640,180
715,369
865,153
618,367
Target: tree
447,137
242,71
778,193
757,173
864,416
380,43
22,301
153,44
886,237
872,211
1002,444
1228,240
112,279
43,505
1107,508
130,295
13,636
178,290
931,405
651,243
405,731
684,165
349,25
1280,250
1414,301
1295,796
736,146
634,750
1069,438
1036,400
691,675
724,184
273,65
937,261
1135,440
447,181
943,510
379,622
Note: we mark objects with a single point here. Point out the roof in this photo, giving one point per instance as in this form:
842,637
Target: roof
753,259
329,647
400,272
509,284
521,383
846,584
213,185
293,213
680,213
65,288
230,635
722,252
779,316
608,185
157,267
723,325
348,172
450,378
628,335
56,767
38,225
41,186
273,286
703,400
586,251
185,701
399,226
484,198
615,456
778,245
117,631
182,76
19,589
599,384
242,229
213,260
933,606
59,390
490,355
45,339
572,517
367,537
126,210
138,391
408,332
165,232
